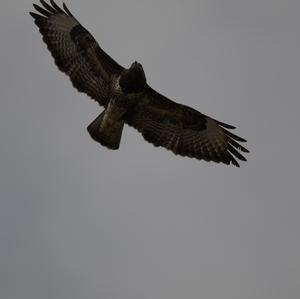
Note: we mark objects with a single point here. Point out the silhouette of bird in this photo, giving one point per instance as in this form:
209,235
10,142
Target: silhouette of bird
127,98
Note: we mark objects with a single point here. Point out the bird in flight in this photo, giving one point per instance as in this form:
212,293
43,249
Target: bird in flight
127,98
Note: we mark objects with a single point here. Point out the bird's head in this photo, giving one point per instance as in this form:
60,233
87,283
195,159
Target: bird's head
136,65
133,80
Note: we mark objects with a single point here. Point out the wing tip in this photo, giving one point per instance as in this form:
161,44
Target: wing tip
67,10
41,10
36,16
235,137
224,125
236,164
55,6
233,146
50,8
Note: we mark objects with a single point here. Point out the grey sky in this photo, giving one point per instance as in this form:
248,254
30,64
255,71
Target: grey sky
79,221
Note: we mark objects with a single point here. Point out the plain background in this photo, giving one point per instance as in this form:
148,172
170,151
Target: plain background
80,221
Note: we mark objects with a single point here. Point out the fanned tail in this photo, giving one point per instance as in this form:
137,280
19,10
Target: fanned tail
108,135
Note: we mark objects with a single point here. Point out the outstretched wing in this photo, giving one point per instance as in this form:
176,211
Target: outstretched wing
185,131
75,51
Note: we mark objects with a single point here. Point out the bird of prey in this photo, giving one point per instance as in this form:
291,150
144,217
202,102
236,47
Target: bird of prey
127,98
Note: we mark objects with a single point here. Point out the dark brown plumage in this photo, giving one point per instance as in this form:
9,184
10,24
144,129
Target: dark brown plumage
127,98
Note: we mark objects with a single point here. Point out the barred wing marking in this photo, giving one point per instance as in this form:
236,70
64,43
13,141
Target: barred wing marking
75,51
185,131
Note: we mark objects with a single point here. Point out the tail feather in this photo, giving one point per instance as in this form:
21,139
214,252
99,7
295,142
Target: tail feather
108,135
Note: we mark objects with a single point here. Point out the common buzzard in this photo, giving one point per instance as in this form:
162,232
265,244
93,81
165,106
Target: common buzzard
127,98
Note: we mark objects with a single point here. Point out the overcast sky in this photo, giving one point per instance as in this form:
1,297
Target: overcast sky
79,221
